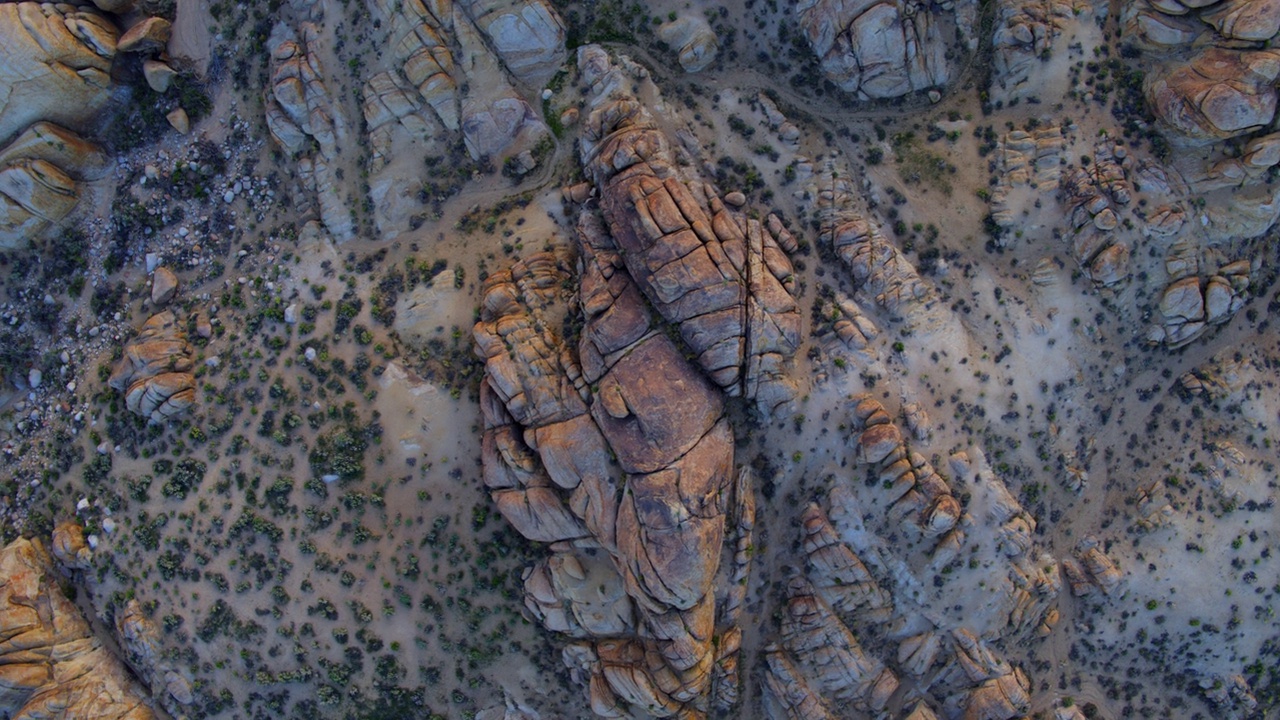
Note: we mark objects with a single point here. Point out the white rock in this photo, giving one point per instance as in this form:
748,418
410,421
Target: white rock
108,526
291,314
329,478
310,354
228,197
82,505
34,377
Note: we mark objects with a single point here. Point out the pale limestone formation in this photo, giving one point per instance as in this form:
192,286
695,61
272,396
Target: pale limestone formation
155,372
720,276
51,664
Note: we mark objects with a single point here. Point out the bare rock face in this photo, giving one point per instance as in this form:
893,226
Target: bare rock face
693,39
1026,33
300,109
880,49
55,64
164,285
718,275
69,546
1191,305
650,523
527,35
155,372
141,641
51,665
1217,94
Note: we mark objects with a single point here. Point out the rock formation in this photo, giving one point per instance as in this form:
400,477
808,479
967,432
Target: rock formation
1026,35
883,49
301,110
51,665
55,64
155,372
716,275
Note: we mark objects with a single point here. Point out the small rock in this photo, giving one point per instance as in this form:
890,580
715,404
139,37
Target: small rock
153,262
310,354
291,314
935,96
164,285
229,197
34,378
736,199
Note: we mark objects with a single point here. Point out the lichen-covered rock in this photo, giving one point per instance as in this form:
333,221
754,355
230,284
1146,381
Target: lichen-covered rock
51,664
155,372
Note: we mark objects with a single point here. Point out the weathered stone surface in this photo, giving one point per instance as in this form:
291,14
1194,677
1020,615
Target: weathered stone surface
55,64
715,273
164,285
527,35
1256,20
1217,94
879,49
656,514
141,643
69,546
301,107
693,40
1025,34
159,75
149,35
155,372
51,665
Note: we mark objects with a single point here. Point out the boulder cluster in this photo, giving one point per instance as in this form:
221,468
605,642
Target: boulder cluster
155,373
51,663
879,49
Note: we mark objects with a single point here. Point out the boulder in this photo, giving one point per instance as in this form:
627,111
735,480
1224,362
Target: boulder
527,35
158,74
55,65
1217,94
874,50
147,36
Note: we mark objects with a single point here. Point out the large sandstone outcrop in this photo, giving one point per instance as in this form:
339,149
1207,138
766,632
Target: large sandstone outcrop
719,276
40,174
882,48
155,372
51,665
